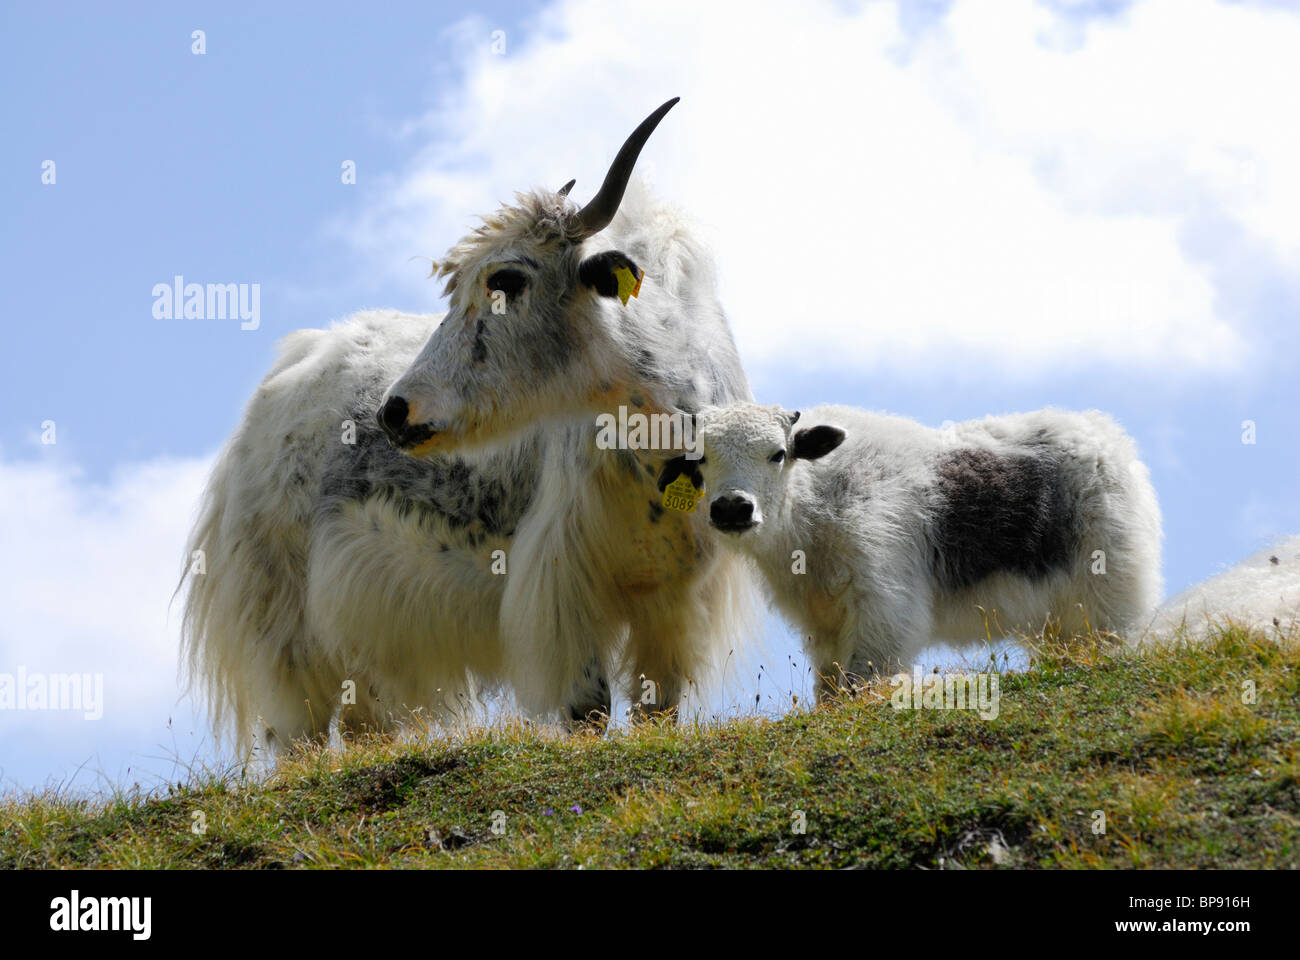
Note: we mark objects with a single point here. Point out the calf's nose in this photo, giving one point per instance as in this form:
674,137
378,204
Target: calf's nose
731,512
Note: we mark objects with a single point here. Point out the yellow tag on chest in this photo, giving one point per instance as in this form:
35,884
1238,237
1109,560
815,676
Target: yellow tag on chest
629,283
681,495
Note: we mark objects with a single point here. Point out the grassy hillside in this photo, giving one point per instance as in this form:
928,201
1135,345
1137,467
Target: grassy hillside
1160,740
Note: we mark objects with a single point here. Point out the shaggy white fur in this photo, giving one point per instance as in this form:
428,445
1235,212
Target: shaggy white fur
1262,591
877,535
510,552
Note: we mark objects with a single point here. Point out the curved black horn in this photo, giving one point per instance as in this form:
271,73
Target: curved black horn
564,190
597,214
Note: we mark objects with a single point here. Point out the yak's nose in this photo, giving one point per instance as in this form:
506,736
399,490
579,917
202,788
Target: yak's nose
732,514
392,417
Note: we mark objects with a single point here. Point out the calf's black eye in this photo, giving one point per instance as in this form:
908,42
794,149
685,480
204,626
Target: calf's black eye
777,457
508,281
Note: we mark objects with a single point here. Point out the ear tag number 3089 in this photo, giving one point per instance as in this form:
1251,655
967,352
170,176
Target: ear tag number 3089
681,495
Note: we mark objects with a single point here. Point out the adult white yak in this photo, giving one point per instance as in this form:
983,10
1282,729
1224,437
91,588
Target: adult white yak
473,534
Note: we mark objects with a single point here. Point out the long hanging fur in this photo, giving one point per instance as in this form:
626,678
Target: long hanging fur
345,577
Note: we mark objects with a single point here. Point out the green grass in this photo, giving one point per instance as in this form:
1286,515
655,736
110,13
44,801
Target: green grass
1159,740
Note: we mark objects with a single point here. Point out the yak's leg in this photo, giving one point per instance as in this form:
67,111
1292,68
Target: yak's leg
557,636
888,638
655,691
664,652
368,715
297,706
588,705
558,624
832,653
685,628
831,678
877,637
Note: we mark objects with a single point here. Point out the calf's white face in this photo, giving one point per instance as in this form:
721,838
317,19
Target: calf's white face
748,452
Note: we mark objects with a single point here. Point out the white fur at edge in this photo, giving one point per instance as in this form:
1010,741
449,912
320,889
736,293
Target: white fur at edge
1256,592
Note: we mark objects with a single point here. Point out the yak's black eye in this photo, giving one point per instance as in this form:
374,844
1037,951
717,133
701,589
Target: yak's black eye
508,281
777,457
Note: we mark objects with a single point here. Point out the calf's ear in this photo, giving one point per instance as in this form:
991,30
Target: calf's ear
611,274
675,467
814,442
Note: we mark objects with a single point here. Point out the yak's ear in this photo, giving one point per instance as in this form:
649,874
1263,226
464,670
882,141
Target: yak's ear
814,442
611,274
675,467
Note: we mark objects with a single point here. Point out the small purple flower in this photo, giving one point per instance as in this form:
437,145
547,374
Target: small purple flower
548,812
576,808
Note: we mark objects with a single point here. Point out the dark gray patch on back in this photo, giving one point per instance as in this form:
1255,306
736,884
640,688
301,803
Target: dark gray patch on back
1001,513
487,499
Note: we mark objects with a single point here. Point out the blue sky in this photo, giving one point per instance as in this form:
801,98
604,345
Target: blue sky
223,165
922,211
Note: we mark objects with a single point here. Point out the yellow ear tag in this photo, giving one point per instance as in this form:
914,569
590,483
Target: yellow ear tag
629,283
681,495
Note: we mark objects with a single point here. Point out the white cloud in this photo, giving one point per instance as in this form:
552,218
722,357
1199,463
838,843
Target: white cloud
86,573
998,193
